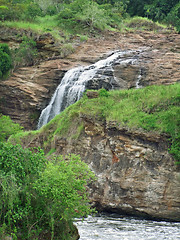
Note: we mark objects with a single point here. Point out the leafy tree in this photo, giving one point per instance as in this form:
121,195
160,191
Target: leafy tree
39,197
5,59
136,8
61,189
173,17
94,16
18,168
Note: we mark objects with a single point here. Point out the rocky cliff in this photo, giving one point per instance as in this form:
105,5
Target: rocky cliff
135,173
29,89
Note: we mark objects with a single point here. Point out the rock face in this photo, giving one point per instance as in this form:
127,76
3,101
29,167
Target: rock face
29,89
135,173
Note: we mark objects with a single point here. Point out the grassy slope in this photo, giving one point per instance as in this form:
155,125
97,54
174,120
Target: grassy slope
50,24
154,108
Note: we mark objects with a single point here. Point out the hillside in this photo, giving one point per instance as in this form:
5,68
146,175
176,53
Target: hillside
129,130
109,73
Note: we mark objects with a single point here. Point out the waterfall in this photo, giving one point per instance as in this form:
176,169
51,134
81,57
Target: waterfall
75,81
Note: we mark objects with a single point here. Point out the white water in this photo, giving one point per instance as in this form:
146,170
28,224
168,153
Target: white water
74,83
115,227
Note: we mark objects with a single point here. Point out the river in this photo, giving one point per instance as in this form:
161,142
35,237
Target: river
116,227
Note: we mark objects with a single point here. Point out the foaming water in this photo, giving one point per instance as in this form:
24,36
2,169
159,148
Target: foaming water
115,227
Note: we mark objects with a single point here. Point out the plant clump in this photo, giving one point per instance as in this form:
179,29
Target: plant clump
40,197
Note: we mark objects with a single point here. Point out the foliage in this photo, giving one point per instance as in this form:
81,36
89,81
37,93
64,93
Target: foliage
39,196
94,16
158,10
31,12
5,59
63,180
7,128
142,23
79,15
26,53
103,93
82,15
18,168
173,17
154,108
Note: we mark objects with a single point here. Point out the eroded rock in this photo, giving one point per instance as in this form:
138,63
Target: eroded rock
29,89
135,173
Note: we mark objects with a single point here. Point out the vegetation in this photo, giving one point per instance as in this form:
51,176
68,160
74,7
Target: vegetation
164,11
82,18
8,127
154,108
87,15
5,60
25,54
40,198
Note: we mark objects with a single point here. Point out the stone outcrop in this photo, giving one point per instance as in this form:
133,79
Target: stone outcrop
29,89
135,173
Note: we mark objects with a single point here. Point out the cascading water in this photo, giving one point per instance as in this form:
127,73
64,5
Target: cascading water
76,80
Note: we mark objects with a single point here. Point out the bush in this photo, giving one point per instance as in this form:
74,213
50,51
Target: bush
7,128
26,53
63,180
32,10
5,60
18,168
103,93
173,18
4,13
80,15
94,16
40,197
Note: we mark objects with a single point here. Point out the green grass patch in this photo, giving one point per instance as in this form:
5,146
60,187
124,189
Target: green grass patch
142,23
40,25
154,108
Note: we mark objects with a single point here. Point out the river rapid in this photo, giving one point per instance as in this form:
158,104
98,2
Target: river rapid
116,227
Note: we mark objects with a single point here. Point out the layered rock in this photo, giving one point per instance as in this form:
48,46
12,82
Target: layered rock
135,173
29,89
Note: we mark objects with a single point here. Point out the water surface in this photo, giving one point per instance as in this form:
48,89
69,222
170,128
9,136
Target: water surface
115,227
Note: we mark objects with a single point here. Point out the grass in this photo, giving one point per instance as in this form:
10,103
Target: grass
154,108
142,23
40,25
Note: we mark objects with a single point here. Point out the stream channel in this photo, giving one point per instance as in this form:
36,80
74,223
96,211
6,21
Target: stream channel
117,227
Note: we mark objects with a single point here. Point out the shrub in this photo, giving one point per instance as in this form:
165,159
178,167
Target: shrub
40,197
94,16
103,93
4,13
7,128
80,14
5,60
18,168
26,53
32,10
173,18
61,189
